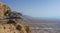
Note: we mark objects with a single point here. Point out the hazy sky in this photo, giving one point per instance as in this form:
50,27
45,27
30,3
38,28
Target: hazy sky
36,8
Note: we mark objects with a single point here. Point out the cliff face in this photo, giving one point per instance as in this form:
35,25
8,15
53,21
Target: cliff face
4,9
11,25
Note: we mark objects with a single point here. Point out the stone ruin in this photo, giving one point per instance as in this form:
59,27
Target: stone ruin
11,26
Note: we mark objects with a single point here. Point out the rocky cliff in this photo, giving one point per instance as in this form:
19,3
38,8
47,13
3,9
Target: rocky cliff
10,22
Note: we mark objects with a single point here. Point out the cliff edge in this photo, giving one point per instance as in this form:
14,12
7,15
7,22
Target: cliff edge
11,24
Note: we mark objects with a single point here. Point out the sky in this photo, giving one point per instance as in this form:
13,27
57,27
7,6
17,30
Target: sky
35,8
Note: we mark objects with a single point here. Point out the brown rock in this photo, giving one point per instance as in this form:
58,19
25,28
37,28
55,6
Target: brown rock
1,11
11,26
4,9
14,28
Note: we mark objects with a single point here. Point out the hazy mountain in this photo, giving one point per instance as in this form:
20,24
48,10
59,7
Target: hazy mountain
41,20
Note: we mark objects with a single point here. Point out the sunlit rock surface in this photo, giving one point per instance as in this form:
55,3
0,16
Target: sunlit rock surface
10,22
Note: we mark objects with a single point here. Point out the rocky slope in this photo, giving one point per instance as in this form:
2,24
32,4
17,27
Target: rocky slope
10,22
13,27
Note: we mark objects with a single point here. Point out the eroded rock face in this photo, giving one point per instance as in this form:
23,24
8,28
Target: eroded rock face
11,26
4,9
1,11
14,28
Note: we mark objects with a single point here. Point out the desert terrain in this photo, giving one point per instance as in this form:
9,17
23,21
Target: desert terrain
42,25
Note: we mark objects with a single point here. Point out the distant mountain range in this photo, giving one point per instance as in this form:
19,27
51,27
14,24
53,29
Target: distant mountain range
41,20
